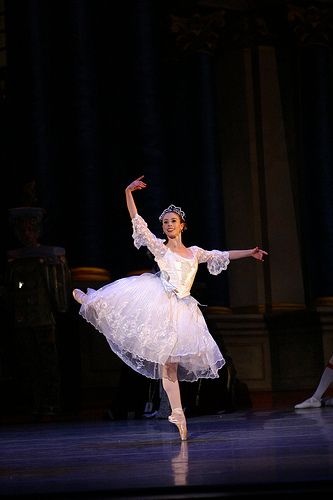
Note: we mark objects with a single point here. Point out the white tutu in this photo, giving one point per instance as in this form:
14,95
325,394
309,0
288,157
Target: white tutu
148,326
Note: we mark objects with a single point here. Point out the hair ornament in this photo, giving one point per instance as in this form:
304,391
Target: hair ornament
176,210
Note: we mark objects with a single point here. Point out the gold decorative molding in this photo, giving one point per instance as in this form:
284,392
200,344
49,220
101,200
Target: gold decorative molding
90,274
287,306
269,308
199,32
324,302
312,24
218,310
209,26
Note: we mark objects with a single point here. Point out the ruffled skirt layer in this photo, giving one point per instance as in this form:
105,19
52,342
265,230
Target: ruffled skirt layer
149,327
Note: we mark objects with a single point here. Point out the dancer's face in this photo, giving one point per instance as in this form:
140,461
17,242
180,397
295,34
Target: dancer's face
172,225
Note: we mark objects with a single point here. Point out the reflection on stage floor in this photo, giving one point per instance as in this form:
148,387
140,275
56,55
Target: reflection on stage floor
236,454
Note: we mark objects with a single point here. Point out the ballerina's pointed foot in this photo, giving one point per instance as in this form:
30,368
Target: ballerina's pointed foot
78,295
177,417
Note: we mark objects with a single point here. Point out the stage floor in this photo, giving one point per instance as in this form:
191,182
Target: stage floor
283,452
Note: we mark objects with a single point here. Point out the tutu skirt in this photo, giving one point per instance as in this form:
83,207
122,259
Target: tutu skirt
148,327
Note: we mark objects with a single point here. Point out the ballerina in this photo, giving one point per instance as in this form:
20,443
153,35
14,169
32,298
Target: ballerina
151,321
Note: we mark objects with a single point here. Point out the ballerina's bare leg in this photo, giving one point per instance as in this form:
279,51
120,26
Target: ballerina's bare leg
169,381
171,387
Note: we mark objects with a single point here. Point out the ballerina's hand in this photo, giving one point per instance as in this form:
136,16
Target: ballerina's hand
258,254
137,184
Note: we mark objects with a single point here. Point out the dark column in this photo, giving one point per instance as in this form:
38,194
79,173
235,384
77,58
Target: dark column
209,203
315,73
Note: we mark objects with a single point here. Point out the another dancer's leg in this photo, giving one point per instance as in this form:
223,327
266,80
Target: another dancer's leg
325,381
171,387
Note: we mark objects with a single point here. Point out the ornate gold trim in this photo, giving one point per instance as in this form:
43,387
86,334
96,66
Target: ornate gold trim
90,274
324,301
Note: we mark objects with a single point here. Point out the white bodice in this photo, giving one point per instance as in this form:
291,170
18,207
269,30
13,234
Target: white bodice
177,272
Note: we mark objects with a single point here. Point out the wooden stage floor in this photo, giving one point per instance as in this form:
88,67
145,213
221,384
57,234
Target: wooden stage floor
252,453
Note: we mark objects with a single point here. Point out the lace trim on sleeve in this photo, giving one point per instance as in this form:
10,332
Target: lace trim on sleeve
217,261
142,236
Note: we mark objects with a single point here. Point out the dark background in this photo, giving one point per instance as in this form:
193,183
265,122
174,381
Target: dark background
97,96
97,93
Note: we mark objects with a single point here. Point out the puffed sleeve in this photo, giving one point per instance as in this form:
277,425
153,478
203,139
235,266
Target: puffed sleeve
217,260
142,236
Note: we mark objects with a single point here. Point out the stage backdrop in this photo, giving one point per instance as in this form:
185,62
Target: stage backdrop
96,97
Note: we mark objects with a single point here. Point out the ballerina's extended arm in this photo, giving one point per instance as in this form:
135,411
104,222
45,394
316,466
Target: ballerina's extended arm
134,186
256,253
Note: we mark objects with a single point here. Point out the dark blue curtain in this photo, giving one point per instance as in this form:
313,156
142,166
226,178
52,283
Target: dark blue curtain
96,97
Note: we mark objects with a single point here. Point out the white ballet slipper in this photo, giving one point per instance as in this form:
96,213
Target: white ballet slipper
79,296
309,403
177,417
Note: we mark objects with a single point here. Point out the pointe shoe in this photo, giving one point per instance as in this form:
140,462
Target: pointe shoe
177,417
309,403
78,295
